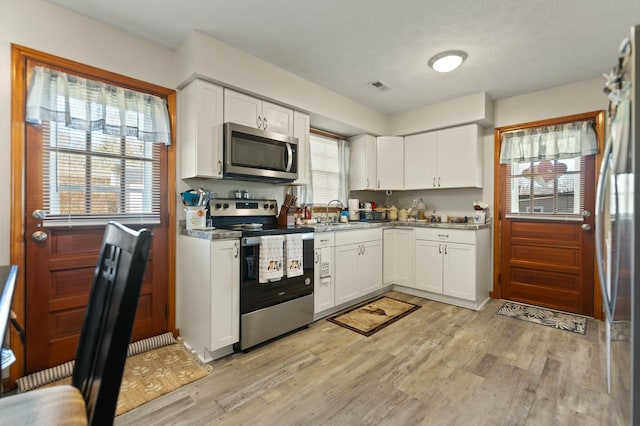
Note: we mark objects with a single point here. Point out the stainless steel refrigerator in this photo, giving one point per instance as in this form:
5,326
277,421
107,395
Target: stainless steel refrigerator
617,240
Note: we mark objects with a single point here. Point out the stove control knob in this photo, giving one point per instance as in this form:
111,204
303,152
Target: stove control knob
266,206
218,205
272,206
225,205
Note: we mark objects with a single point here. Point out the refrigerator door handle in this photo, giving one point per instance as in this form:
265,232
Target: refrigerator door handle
599,221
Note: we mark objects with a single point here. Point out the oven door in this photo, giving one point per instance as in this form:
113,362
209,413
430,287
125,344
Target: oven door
255,154
255,295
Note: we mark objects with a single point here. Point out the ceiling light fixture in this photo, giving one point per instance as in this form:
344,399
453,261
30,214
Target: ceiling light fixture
447,61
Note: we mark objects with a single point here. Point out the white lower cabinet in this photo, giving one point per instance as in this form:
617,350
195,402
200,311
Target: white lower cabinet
358,264
398,256
454,264
208,295
324,289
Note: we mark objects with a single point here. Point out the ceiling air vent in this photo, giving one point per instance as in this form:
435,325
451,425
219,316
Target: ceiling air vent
380,85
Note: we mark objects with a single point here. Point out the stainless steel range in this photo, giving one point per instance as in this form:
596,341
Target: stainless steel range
268,308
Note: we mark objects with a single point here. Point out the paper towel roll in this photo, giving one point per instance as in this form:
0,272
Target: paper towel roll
354,205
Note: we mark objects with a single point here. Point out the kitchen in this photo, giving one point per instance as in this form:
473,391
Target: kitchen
170,68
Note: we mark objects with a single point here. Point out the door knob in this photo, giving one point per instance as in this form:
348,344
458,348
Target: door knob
585,227
39,214
39,236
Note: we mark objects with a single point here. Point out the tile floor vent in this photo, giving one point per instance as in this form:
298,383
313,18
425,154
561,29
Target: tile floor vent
380,85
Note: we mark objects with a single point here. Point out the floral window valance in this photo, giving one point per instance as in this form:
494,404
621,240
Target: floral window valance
90,105
549,143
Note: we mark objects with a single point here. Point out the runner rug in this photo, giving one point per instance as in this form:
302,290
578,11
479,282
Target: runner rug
547,317
154,367
372,317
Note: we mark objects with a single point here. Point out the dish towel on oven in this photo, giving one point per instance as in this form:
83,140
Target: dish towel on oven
293,247
271,258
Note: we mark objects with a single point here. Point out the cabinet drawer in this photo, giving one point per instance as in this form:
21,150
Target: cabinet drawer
358,236
324,239
443,234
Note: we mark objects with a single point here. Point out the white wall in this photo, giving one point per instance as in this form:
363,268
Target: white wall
216,61
42,26
575,98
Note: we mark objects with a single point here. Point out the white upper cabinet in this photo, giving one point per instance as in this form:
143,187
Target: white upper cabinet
460,157
448,158
390,162
420,160
301,131
362,174
201,127
253,112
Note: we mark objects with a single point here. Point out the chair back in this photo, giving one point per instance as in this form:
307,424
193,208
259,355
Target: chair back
108,320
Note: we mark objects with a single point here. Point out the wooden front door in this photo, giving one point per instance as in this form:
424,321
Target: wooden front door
60,260
545,253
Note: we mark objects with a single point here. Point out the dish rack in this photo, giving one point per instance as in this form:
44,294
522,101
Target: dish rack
372,216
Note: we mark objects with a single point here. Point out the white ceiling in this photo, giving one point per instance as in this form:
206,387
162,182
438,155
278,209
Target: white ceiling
514,46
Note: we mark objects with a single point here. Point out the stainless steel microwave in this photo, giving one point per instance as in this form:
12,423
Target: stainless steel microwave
259,155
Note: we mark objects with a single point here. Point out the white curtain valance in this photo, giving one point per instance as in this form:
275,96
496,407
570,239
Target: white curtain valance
90,105
549,143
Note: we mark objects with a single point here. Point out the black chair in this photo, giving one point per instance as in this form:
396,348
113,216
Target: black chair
103,344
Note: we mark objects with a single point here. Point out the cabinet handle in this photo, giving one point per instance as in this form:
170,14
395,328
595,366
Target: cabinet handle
364,249
265,123
378,184
236,252
434,181
259,122
367,182
443,235
440,248
219,167
438,181
317,257
445,249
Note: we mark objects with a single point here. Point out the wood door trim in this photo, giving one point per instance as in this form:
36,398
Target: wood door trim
17,246
498,196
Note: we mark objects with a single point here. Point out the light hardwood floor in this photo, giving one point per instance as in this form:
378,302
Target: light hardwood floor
440,365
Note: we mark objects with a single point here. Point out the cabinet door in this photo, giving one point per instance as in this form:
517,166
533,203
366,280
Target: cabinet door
301,131
390,162
201,127
370,266
428,265
459,270
403,259
193,293
323,291
347,277
225,293
388,256
362,174
460,157
420,159
242,109
276,118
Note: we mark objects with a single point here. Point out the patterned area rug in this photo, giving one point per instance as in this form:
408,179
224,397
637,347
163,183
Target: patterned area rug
550,318
167,366
372,317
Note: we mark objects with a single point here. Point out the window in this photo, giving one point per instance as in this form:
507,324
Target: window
547,187
101,156
90,176
329,169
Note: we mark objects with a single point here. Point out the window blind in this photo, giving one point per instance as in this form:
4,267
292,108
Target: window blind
325,170
89,178
548,189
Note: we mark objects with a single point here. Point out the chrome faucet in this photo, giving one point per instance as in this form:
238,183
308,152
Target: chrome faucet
336,218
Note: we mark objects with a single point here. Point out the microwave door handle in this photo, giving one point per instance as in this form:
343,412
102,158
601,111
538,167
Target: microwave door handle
289,155
599,210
